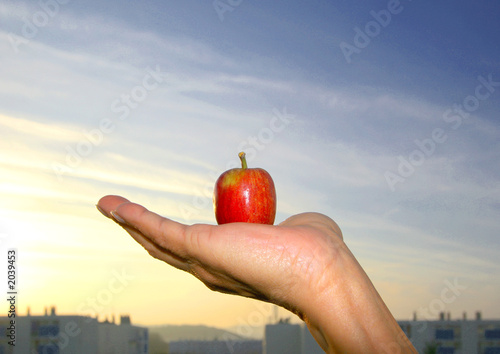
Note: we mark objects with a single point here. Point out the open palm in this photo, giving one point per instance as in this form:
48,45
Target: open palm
301,264
271,263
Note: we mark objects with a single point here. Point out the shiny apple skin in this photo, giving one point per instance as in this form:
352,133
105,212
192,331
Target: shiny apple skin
245,195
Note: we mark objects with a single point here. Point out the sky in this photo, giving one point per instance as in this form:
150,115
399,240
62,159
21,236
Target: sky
382,115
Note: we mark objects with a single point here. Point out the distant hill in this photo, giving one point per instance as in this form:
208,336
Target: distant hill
251,332
169,333
157,345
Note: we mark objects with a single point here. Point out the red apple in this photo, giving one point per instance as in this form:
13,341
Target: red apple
245,195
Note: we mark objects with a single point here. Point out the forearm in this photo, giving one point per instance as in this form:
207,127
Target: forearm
349,316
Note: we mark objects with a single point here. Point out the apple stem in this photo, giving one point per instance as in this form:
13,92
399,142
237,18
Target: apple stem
243,160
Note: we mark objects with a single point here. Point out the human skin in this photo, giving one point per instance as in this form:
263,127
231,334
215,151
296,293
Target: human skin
301,264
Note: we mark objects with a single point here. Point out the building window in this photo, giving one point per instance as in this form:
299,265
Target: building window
47,349
445,350
44,346
492,333
48,331
444,334
43,328
492,350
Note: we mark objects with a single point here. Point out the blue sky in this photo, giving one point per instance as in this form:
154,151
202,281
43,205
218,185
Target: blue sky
397,142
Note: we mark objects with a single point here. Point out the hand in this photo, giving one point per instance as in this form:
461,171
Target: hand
302,264
259,261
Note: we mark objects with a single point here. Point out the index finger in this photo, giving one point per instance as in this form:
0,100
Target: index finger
164,232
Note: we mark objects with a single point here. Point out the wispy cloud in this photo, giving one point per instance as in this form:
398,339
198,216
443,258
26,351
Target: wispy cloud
64,89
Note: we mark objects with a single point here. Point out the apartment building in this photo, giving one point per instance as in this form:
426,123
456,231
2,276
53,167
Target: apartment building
454,336
59,334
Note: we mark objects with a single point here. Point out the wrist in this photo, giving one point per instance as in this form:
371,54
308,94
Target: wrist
346,314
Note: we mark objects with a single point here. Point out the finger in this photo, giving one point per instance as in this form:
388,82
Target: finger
109,203
163,232
202,249
157,251
189,248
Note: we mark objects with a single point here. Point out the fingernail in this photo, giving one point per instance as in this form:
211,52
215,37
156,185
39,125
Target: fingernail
101,211
117,217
